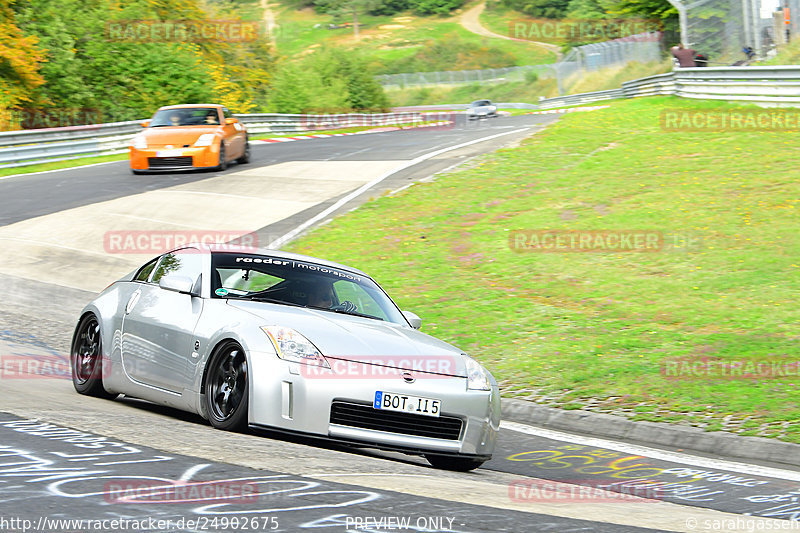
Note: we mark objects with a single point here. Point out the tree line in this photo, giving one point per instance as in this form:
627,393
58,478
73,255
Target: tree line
122,60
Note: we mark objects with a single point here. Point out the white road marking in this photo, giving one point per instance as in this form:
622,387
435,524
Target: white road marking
664,455
53,245
190,472
205,193
159,221
280,241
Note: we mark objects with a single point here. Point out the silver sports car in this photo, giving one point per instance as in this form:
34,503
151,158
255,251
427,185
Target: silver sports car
285,342
481,109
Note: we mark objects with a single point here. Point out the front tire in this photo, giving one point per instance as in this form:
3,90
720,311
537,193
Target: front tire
227,388
457,464
246,155
223,164
86,358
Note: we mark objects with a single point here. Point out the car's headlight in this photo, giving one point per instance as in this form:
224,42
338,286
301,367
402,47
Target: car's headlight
205,140
139,142
293,346
477,376
470,111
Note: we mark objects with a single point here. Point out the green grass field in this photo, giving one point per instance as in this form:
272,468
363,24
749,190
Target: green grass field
393,42
594,330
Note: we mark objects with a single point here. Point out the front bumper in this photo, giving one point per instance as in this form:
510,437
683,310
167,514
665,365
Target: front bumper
286,398
159,158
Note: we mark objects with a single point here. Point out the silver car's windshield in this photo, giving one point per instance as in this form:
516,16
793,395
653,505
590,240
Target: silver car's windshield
299,283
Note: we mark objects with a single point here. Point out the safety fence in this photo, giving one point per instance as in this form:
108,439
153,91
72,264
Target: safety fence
642,47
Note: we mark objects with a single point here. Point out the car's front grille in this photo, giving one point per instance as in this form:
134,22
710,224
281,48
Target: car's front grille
367,417
169,162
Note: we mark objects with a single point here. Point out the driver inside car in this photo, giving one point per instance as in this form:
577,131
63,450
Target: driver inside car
321,295
211,118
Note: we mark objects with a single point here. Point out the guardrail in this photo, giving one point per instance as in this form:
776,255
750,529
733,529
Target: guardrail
29,147
778,85
462,107
581,98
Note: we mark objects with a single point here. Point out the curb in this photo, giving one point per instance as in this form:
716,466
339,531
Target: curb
379,129
658,434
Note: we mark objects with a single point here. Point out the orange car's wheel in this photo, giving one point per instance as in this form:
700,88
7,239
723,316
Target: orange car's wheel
246,155
223,164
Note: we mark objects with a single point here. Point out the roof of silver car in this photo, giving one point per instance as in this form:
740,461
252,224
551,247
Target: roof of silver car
233,248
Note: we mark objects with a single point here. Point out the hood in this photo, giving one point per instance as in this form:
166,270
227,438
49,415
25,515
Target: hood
176,136
353,338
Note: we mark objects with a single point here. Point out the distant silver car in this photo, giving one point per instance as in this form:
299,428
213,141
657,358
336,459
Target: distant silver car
281,341
481,109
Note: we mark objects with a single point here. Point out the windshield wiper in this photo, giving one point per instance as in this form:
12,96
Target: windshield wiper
257,298
354,313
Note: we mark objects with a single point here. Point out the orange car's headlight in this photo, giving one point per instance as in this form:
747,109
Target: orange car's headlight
205,140
139,142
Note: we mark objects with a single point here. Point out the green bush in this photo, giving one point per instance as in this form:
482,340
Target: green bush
328,81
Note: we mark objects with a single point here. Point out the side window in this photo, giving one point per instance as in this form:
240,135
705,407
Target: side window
226,113
144,272
186,262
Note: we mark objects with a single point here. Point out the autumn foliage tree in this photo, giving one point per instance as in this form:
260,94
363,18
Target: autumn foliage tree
81,64
20,61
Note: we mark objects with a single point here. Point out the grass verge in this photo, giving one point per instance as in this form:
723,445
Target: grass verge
44,167
595,330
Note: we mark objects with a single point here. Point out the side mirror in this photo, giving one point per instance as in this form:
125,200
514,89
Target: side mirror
176,283
145,123
413,319
231,120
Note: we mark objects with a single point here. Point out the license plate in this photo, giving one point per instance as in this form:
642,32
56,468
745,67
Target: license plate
389,401
169,153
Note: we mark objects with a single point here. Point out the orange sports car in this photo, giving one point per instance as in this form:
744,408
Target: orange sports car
183,137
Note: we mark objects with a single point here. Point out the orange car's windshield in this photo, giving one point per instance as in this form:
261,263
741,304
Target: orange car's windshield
194,116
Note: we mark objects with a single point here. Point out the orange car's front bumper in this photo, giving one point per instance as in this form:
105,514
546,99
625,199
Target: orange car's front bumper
153,158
